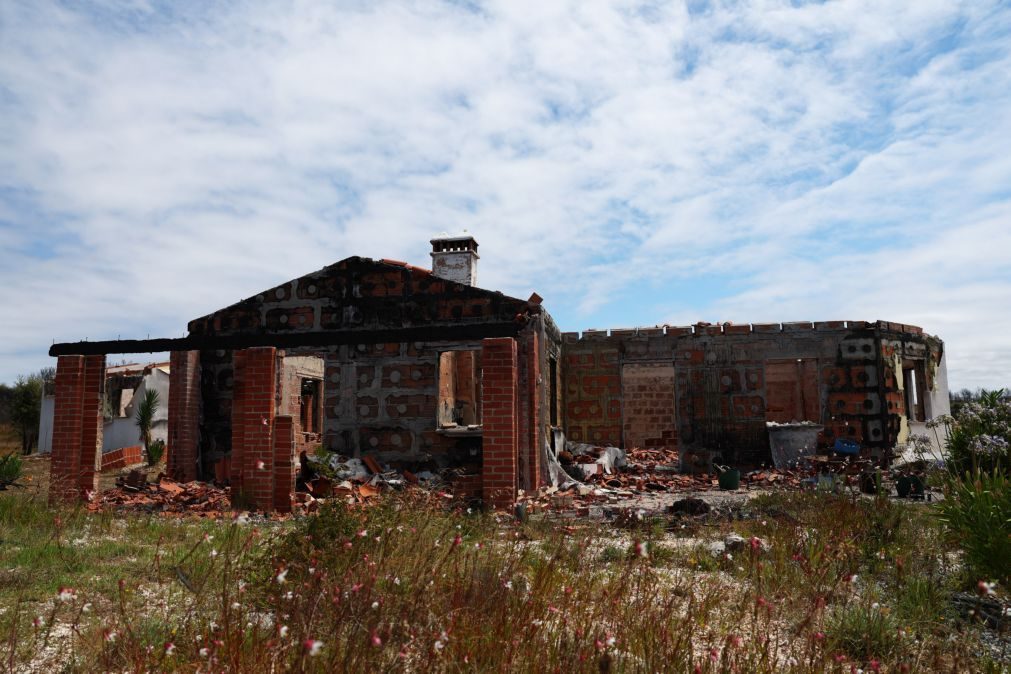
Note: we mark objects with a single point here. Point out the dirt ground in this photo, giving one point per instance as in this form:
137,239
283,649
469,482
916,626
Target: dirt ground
36,481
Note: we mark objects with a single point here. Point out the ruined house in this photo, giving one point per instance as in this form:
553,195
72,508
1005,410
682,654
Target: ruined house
418,367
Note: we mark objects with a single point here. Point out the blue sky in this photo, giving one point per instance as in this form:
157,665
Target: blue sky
635,163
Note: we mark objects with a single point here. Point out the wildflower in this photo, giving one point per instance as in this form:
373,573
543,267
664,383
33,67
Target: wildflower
819,636
66,594
169,648
242,518
396,581
714,654
457,540
610,640
985,588
756,543
204,652
736,641
208,538
282,631
375,605
363,533
875,606
214,553
641,549
508,585
852,578
281,576
86,608
289,595
38,622
875,666
730,557
376,641
312,647
236,605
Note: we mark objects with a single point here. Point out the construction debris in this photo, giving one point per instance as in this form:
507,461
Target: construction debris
165,496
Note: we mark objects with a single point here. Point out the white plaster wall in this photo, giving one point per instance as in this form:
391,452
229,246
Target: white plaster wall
46,424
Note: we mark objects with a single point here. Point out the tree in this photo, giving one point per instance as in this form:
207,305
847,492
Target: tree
145,415
26,406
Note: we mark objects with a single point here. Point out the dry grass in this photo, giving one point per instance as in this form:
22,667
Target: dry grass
412,584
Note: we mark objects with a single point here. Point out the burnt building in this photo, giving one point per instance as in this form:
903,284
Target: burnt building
417,367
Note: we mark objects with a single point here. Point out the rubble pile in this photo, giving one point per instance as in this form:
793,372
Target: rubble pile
164,496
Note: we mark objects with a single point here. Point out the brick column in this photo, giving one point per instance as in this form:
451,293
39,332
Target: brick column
498,419
284,463
535,424
184,415
77,427
91,424
253,410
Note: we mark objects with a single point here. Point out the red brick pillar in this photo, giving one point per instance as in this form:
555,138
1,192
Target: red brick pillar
498,419
284,463
77,427
184,415
535,423
253,409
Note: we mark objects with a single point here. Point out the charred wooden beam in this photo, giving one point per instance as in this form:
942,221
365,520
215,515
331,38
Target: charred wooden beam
428,333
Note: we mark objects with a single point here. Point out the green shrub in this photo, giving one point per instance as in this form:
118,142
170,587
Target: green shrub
155,451
977,512
864,632
980,435
11,469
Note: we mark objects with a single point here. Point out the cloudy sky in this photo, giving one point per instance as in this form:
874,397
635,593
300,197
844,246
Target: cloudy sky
633,162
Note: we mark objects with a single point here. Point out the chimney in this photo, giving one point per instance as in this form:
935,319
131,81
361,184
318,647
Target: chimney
454,258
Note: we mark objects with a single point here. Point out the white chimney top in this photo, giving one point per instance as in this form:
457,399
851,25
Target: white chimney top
454,258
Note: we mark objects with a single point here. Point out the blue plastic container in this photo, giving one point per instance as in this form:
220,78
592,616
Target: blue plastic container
843,446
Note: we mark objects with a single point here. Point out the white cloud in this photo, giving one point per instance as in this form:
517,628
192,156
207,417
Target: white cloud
836,160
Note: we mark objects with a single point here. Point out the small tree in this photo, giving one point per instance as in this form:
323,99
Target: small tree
145,415
26,406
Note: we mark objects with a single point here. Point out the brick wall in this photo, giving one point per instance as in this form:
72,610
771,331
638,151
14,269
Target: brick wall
648,405
253,411
184,405
122,457
592,389
284,463
500,433
722,392
77,427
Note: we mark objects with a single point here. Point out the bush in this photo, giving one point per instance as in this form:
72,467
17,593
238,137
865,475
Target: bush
11,469
155,451
864,632
980,435
977,512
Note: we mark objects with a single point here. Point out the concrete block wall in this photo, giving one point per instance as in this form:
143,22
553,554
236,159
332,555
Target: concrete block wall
720,392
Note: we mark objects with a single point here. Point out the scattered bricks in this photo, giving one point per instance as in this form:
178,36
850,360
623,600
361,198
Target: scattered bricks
284,463
184,405
499,442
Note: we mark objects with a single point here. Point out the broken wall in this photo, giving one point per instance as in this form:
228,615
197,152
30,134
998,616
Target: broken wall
716,386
